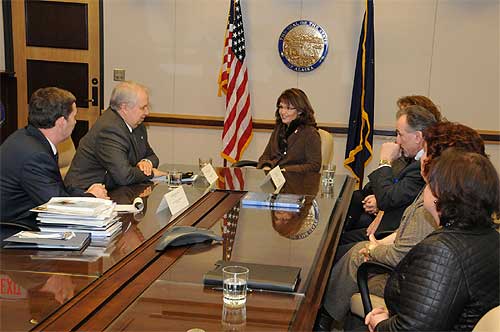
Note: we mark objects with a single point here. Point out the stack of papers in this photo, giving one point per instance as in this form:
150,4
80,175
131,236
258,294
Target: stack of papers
80,215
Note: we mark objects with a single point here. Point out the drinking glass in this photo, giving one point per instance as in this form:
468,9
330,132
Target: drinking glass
328,174
203,161
175,178
234,285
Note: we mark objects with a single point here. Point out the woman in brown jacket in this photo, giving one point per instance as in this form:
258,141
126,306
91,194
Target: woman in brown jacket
295,144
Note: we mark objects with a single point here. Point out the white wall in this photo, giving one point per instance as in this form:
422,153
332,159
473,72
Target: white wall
446,49
2,46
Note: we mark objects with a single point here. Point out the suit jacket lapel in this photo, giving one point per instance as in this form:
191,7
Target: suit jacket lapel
133,142
293,136
133,138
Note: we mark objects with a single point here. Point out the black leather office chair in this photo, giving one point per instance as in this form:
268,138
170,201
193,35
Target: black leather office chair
244,163
364,270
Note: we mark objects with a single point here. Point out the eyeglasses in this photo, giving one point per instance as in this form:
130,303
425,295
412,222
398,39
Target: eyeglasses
287,108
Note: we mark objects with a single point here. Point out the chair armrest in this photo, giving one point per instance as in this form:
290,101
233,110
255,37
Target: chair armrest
362,279
243,163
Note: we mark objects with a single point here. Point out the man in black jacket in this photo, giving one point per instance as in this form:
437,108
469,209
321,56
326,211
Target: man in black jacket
397,180
389,190
116,150
29,173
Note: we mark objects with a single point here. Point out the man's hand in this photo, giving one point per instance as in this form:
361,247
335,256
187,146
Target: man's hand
98,190
376,316
157,172
390,151
370,204
375,223
369,247
146,166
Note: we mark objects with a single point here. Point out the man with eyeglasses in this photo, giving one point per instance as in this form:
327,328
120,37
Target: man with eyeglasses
116,151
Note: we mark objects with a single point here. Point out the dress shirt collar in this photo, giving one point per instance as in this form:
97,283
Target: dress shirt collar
419,154
129,128
54,149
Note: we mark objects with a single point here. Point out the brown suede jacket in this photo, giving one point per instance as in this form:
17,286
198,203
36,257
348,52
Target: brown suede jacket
302,154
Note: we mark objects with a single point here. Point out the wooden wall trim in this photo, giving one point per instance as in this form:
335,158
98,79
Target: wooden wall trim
217,122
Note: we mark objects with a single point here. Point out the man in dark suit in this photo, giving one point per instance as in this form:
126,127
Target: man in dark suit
390,190
29,174
116,150
393,186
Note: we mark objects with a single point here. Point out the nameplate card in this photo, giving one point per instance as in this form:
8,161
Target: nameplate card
210,173
277,177
175,200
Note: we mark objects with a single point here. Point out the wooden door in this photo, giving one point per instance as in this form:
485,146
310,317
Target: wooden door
56,43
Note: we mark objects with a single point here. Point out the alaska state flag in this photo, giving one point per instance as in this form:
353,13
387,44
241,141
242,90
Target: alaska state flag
360,136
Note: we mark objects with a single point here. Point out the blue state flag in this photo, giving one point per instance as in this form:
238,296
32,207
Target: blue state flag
360,135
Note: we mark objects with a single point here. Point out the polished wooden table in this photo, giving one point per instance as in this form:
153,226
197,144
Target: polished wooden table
127,285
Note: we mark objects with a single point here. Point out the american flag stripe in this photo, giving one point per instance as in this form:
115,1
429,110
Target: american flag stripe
233,81
231,179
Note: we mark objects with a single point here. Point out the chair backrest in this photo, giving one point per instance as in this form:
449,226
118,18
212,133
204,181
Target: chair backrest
490,322
66,151
326,147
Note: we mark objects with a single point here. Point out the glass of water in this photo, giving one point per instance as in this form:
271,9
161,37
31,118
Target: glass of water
234,284
328,174
204,161
175,178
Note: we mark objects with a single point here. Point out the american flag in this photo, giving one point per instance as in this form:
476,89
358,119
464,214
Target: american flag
233,81
231,178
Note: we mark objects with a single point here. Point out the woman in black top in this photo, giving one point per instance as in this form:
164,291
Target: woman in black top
451,278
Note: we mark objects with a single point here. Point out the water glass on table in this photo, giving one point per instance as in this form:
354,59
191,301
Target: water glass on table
203,161
234,285
328,174
175,178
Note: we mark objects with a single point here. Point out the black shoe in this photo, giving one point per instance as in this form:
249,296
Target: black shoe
323,321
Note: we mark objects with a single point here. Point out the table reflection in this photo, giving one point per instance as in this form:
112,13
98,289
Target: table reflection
27,298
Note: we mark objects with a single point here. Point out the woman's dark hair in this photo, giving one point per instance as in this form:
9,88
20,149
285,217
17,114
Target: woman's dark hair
49,104
466,186
444,135
422,101
298,99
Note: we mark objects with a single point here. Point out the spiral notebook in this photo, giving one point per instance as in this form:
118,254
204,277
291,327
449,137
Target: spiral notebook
261,276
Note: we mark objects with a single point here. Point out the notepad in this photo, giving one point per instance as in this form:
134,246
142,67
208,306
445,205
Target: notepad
261,276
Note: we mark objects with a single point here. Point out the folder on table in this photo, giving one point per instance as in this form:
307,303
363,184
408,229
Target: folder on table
261,276
47,240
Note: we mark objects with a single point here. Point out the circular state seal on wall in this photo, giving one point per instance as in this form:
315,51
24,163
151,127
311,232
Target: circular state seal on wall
303,45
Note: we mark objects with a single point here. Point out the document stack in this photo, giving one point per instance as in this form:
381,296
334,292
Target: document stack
80,215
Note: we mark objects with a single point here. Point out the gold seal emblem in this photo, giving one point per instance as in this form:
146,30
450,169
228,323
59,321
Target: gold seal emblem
303,45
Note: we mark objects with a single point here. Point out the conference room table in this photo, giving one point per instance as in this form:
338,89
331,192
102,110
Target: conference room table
127,285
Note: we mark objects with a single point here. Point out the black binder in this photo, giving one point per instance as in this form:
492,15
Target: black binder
80,241
261,276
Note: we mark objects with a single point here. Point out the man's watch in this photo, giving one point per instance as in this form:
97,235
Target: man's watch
384,162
